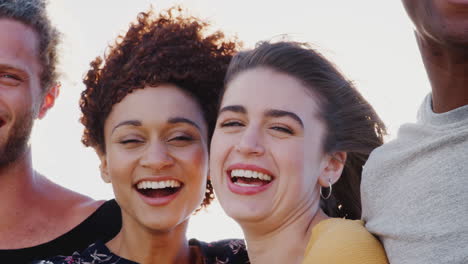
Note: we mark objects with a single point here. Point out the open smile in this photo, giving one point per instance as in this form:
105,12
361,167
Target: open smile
158,192
248,179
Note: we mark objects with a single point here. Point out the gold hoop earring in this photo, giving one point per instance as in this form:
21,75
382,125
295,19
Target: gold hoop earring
329,192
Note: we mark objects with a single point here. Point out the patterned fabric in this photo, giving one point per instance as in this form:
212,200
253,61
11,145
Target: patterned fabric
230,251
96,253
223,252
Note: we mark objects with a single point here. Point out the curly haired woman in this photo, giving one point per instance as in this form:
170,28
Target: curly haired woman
149,111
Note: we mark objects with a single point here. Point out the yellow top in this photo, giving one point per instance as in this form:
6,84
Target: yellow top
339,241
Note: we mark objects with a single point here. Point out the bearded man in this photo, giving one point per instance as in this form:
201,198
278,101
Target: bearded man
39,218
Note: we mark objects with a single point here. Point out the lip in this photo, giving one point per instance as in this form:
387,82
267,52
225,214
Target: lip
244,190
458,2
158,201
2,120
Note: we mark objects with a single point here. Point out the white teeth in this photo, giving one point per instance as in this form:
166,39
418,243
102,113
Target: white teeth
250,174
256,175
244,184
158,184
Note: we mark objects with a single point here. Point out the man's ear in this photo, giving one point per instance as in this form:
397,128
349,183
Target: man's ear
49,100
333,167
103,168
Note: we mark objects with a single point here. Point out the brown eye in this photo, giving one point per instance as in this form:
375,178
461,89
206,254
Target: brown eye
9,79
181,141
129,141
282,129
181,138
231,124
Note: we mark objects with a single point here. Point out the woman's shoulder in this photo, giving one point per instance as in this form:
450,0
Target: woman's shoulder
339,240
223,251
341,227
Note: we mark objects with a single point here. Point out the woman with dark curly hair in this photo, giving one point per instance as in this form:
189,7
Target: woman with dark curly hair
286,164
149,109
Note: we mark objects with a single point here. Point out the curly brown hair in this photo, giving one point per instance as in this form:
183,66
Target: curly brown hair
167,48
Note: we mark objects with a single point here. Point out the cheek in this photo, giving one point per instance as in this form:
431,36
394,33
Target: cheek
194,162
298,166
195,168
121,167
413,8
291,160
22,105
220,145
120,164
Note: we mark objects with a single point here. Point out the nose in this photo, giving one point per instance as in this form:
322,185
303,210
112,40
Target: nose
250,143
156,157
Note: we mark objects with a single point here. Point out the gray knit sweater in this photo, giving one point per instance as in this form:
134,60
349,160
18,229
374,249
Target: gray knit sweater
415,190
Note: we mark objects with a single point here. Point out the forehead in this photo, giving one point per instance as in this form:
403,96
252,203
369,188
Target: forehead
263,88
156,105
19,46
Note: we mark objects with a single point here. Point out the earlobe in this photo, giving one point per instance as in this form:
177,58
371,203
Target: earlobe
103,169
49,100
333,168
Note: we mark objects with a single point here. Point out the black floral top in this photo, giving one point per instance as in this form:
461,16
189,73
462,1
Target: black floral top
230,251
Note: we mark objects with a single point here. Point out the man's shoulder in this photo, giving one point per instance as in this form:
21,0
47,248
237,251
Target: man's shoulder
74,209
102,223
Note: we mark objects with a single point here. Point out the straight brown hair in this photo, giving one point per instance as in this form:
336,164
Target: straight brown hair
352,124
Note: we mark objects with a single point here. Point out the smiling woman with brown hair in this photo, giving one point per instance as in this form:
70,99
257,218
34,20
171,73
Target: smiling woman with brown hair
286,163
148,111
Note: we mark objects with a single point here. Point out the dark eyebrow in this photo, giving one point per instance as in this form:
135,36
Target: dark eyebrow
127,123
282,113
175,120
233,108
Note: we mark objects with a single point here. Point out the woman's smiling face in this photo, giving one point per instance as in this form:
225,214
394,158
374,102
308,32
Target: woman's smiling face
267,149
156,156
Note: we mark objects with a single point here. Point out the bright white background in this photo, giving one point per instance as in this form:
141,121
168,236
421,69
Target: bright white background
371,41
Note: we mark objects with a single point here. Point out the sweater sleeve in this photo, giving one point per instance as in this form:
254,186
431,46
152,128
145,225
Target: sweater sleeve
337,241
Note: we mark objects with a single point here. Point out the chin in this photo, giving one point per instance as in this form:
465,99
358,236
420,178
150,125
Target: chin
163,224
247,211
457,39
452,29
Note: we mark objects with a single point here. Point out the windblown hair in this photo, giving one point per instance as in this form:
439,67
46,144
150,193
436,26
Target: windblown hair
33,14
352,124
167,48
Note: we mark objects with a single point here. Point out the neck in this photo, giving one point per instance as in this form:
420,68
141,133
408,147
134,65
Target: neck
139,244
18,190
447,68
269,246
34,210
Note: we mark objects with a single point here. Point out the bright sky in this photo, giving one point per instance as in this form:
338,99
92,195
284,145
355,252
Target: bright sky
371,41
